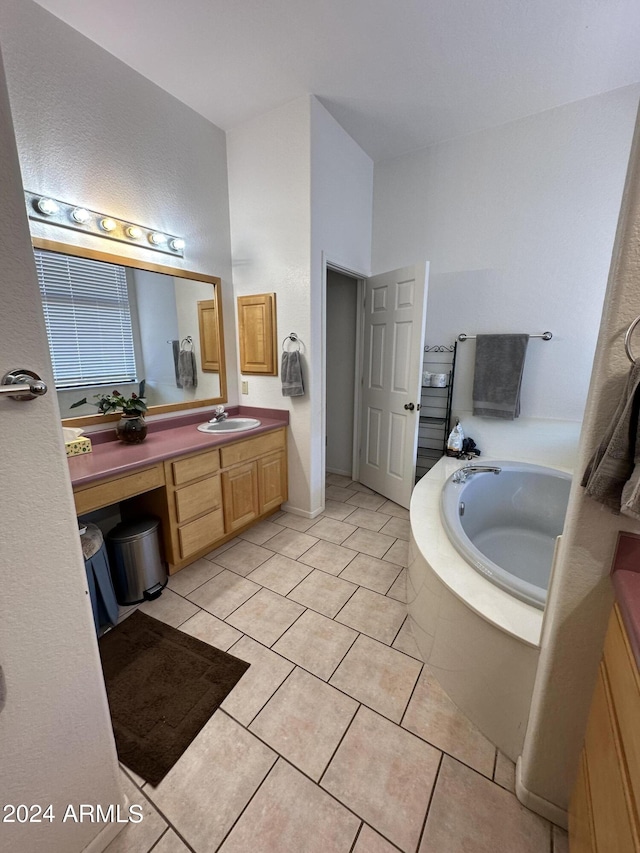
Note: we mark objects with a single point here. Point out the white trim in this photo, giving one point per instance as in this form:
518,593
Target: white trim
305,513
104,838
538,804
338,471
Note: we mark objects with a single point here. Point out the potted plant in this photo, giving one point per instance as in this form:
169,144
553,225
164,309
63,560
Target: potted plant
131,428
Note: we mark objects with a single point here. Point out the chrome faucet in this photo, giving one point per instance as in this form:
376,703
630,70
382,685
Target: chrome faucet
463,474
219,415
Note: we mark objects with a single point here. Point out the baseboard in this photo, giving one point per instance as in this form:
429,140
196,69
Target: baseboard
338,471
104,838
538,804
305,513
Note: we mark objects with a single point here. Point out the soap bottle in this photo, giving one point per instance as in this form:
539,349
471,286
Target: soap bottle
454,442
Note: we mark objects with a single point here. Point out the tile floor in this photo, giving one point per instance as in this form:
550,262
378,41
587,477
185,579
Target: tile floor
337,738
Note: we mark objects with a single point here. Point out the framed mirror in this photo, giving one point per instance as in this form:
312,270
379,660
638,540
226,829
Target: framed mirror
115,322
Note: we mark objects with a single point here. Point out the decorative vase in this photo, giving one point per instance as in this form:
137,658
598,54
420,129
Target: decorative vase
131,429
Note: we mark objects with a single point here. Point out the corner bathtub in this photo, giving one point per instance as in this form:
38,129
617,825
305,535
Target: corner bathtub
479,640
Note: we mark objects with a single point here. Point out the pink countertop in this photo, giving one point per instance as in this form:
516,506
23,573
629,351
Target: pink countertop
166,437
625,576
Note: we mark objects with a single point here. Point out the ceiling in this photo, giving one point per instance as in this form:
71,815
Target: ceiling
397,74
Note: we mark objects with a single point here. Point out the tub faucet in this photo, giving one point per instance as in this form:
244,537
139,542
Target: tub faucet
463,474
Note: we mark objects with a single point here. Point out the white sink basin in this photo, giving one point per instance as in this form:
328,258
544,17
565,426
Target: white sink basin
230,425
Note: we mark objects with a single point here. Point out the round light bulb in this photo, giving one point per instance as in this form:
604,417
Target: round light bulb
157,239
107,224
177,244
81,215
48,206
134,232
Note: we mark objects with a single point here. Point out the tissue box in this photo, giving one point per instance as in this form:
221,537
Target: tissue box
78,446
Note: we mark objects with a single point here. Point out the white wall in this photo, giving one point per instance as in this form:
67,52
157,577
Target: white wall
92,131
342,312
158,323
518,223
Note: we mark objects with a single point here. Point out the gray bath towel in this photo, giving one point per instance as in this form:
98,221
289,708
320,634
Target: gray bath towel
612,476
291,374
498,375
187,372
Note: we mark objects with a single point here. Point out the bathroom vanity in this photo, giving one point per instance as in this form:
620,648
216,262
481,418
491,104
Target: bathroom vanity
205,488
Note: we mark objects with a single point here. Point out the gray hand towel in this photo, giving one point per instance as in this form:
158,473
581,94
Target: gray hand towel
612,476
175,346
498,375
187,373
291,374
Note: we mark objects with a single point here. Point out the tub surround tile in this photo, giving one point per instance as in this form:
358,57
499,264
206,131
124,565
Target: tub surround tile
243,558
336,493
137,837
377,676
469,812
432,716
169,608
375,574
265,616
292,543
370,842
316,643
505,773
322,592
369,542
398,553
332,530
398,588
328,557
291,813
373,614
207,789
385,775
193,576
266,673
368,519
304,721
211,630
295,522
280,574
366,500
260,533
337,510
398,527
405,641
223,593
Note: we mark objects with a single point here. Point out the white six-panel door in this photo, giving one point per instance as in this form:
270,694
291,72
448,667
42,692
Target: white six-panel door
395,308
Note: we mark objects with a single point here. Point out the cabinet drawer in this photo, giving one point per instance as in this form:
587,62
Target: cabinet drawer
118,489
624,681
194,467
200,533
198,498
243,451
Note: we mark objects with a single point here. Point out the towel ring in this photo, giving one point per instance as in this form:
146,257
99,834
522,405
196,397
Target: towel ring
187,340
291,337
627,340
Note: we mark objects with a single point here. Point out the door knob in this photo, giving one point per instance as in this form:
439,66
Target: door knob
409,406
22,384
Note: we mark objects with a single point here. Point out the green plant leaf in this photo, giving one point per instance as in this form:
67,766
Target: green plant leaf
82,402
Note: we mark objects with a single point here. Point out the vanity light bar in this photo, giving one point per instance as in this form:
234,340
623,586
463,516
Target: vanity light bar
55,212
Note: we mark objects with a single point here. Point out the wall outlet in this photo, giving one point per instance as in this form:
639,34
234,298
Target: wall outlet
245,386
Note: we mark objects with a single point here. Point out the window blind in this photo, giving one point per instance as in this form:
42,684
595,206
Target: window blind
88,320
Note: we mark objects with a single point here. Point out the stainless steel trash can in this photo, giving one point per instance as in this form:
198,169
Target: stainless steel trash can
136,564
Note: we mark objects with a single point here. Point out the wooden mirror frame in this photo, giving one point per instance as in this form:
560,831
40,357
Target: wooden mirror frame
134,263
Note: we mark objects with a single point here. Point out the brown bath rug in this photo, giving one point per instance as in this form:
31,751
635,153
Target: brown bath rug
163,686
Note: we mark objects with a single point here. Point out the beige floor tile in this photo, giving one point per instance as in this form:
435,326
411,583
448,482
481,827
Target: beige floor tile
398,553
366,500
193,576
405,641
392,508
433,716
505,773
368,519
316,643
304,721
260,533
221,549
338,480
560,840
137,780
211,630
170,843
398,588
378,676
280,574
244,557
137,837
371,572
373,614
370,842
265,616
369,542
323,592
398,527
332,530
468,812
336,493
292,543
385,776
169,608
266,673
337,509
290,814
206,790
224,593
359,487
328,557
296,522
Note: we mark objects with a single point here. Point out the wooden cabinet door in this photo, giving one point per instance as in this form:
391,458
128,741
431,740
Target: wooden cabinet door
272,481
240,496
257,334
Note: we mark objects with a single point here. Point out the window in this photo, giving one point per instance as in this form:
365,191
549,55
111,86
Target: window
88,319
